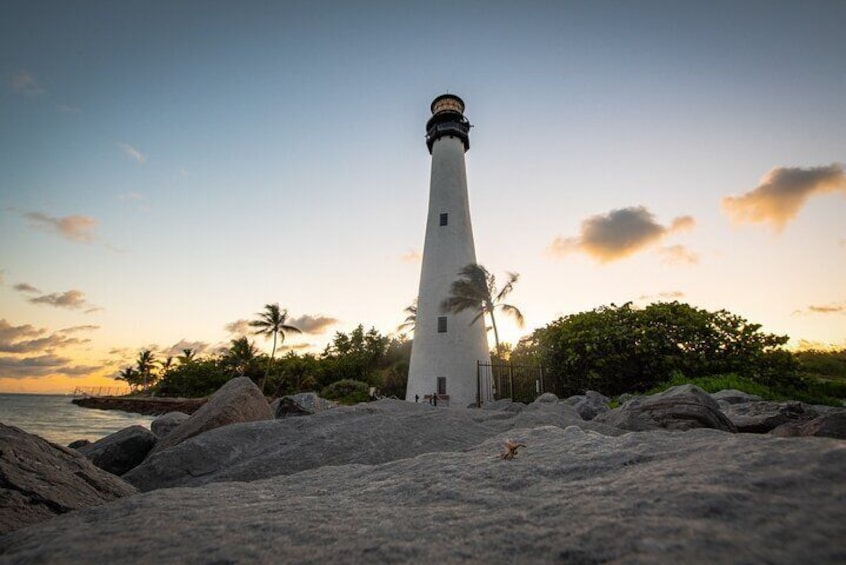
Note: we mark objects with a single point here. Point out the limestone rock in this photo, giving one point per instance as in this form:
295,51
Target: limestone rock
39,480
683,407
733,396
763,416
121,451
370,433
303,404
589,404
832,424
166,423
546,397
239,400
570,496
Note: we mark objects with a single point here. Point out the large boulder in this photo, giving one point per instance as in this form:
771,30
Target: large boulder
569,496
368,434
832,424
239,400
40,480
683,407
166,423
763,416
121,451
590,404
303,404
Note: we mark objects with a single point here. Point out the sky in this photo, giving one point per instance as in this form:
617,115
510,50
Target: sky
168,168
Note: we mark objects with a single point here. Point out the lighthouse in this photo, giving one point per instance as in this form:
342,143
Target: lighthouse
447,347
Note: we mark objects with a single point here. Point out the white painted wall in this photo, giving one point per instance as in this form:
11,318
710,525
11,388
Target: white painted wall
446,251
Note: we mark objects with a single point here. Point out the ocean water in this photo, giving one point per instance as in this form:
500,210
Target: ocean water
56,419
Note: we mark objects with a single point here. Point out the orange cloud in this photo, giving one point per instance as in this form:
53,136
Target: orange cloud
781,194
620,233
74,228
678,255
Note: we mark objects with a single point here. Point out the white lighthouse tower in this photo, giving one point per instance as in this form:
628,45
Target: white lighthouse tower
447,347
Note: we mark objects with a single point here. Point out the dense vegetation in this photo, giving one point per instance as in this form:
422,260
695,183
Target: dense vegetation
611,349
365,356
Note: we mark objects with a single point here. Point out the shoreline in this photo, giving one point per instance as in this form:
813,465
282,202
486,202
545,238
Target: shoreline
144,406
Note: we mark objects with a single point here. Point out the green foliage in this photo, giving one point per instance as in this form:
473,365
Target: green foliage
615,349
715,383
829,365
200,377
354,356
347,391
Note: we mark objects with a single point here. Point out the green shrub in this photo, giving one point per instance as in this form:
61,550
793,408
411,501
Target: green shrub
811,393
347,391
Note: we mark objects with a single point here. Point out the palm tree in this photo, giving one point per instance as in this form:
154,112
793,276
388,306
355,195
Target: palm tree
128,375
145,364
188,356
240,355
271,322
475,289
410,321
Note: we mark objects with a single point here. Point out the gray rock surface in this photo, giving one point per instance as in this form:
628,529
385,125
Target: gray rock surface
832,424
303,404
546,397
239,400
570,496
733,396
39,480
76,444
369,433
121,451
166,423
590,404
683,407
763,416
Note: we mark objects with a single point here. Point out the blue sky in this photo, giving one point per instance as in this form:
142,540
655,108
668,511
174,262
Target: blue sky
175,166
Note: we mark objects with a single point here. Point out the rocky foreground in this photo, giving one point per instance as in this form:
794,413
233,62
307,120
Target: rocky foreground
396,482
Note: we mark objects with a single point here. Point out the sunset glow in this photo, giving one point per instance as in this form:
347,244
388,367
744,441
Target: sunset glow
166,169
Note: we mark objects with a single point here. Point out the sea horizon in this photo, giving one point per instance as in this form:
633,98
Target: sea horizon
55,418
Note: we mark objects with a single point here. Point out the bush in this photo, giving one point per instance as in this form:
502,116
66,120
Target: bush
347,391
617,349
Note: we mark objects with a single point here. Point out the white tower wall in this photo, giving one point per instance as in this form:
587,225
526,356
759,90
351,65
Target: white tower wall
448,248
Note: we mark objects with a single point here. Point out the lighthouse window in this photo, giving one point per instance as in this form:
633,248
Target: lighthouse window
444,219
442,325
441,385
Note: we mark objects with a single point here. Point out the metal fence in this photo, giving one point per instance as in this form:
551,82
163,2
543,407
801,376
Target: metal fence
100,391
520,383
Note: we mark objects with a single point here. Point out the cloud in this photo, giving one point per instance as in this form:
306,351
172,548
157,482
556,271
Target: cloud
312,324
131,196
678,255
83,328
74,228
667,295
71,299
824,309
198,347
26,287
296,347
41,366
411,256
618,234
827,309
781,194
239,327
25,83
133,153
29,339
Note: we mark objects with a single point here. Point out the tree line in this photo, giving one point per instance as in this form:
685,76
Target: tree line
612,349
